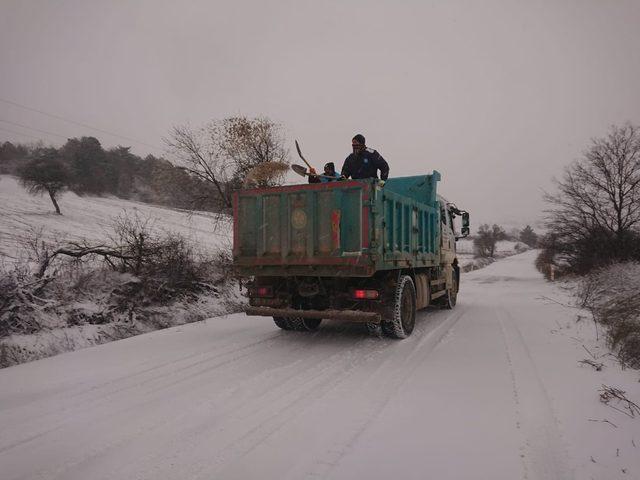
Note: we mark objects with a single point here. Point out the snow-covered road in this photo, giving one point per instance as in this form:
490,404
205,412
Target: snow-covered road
490,390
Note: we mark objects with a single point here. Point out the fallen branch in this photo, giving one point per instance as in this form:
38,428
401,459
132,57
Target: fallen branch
82,251
592,355
603,421
597,365
629,408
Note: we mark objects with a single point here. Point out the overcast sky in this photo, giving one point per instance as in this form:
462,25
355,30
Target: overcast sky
498,96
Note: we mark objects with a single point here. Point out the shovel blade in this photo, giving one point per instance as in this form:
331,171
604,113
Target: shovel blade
299,169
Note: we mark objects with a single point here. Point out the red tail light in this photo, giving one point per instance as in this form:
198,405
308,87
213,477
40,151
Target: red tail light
263,292
366,294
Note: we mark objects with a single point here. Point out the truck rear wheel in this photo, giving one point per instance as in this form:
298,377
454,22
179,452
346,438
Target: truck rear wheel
297,323
282,323
403,314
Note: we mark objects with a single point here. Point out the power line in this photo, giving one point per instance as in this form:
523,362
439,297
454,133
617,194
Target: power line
35,129
19,133
73,122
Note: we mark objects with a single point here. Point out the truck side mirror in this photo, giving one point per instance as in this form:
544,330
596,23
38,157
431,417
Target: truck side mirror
465,224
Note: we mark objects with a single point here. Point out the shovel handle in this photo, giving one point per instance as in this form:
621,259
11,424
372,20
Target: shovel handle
300,155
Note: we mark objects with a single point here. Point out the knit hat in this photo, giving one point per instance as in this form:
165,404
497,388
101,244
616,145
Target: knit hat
359,138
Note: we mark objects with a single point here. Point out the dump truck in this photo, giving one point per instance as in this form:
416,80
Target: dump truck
355,250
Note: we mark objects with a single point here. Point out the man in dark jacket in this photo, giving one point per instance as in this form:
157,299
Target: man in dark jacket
364,162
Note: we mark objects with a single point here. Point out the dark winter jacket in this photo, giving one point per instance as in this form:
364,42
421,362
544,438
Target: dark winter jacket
365,165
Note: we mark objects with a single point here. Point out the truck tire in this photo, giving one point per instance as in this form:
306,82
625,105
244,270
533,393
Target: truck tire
403,313
451,298
298,324
282,323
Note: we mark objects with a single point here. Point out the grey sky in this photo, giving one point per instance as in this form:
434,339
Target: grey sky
498,96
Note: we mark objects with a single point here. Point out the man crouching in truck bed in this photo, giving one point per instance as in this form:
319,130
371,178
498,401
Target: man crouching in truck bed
330,174
364,162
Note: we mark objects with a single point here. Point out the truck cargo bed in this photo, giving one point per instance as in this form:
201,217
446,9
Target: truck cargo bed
348,228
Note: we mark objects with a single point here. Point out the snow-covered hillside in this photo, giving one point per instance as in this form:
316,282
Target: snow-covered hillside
23,215
87,305
494,389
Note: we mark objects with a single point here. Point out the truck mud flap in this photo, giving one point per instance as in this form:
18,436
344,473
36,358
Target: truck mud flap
347,315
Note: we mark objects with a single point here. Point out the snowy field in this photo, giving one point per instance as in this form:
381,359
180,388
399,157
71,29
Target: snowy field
490,390
22,215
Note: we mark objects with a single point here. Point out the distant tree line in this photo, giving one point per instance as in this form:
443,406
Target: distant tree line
211,163
487,237
83,166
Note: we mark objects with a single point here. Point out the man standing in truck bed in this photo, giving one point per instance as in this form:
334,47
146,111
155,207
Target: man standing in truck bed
364,162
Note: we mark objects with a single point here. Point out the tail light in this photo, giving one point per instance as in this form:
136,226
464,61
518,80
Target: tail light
262,291
366,294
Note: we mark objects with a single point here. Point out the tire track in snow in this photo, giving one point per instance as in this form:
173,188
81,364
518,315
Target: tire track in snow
516,400
375,376
88,400
226,408
98,391
280,407
544,453
239,423
381,387
288,405
223,422
96,399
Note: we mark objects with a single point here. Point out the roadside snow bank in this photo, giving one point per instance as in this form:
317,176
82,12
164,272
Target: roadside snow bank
90,305
612,294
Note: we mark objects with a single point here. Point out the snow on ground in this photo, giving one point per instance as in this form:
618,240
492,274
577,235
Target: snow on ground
503,247
492,389
92,218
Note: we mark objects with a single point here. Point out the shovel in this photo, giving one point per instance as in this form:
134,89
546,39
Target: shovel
300,155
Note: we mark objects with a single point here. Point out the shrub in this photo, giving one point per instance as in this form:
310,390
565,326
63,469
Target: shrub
611,294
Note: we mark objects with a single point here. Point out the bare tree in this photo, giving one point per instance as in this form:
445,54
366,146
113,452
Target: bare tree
595,214
252,142
223,152
485,240
199,153
45,173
